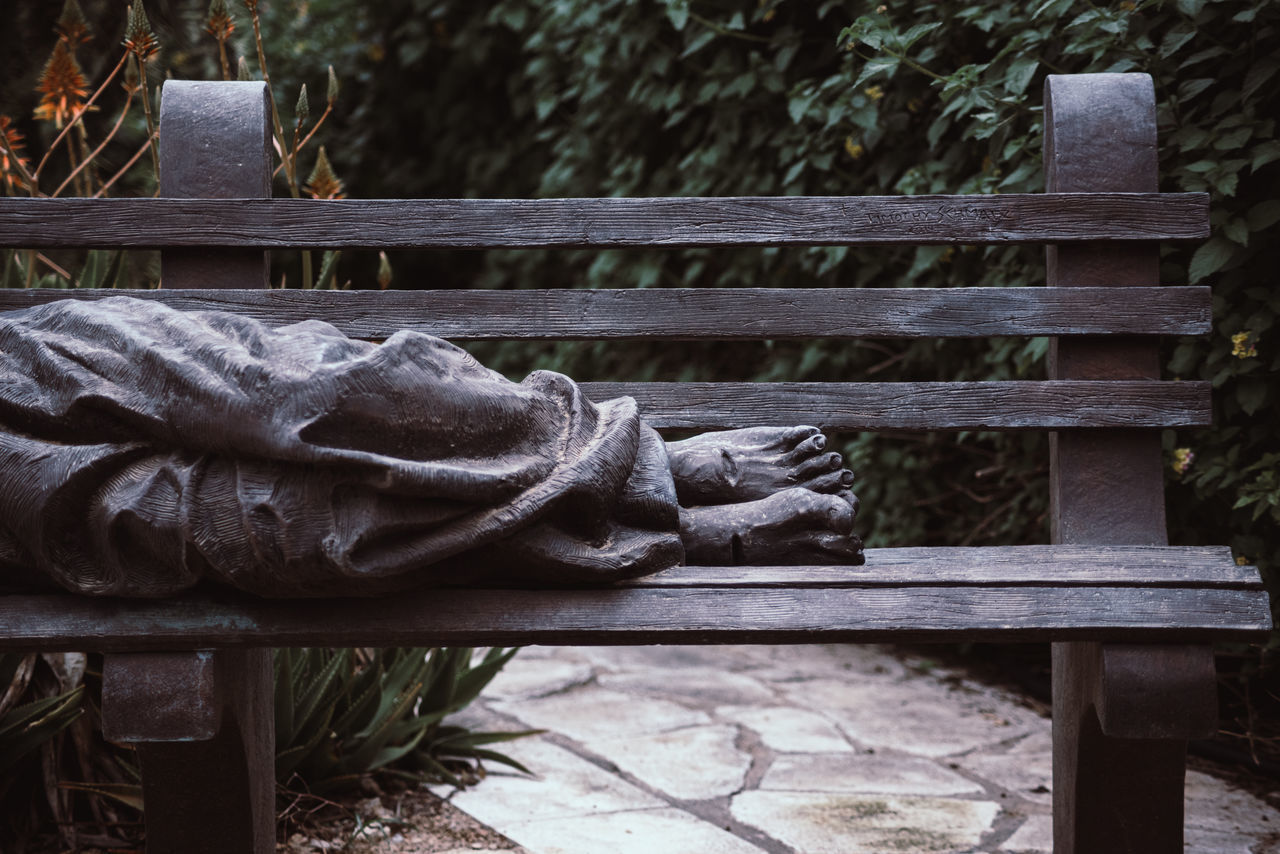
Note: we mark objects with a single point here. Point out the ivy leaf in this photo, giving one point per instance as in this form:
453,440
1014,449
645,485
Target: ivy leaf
1190,8
799,105
877,65
919,31
1263,215
1251,395
678,13
1188,89
1233,139
1210,258
1237,231
1175,39
1262,71
1264,154
1020,72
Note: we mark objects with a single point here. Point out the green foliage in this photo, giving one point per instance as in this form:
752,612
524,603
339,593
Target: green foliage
681,97
344,713
27,722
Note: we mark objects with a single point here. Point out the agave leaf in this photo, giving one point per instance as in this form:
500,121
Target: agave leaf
129,794
449,662
319,690
387,755
365,703
15,675
98,266
328,267
495,756
467,739
305,662
35,714
435,770
474,680
10,273
28,726
396,696
375,740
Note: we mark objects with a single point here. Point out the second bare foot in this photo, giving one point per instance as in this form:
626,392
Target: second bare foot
735,466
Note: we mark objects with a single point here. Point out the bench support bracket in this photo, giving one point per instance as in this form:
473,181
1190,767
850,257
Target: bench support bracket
203,726
1122,714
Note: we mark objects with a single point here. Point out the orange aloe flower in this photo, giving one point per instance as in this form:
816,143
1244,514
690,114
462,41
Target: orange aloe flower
9,173
139,38
323,183
71,26
62,86
219,24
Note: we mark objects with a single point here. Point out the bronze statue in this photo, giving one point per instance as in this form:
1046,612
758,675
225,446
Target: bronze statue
143,449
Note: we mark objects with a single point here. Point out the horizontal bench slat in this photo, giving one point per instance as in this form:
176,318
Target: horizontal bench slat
640,615
703,313
606,222
1059,566
1023,405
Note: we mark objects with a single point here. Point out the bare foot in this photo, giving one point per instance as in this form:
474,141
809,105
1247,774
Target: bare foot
789,528
733,466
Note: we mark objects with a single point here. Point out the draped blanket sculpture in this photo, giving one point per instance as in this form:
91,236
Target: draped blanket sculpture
143,449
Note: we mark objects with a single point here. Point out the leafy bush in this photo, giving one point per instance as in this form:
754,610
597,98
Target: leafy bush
607,97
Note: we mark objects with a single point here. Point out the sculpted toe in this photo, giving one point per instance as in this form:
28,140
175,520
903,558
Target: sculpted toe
806,449
796,435
815,466
828,483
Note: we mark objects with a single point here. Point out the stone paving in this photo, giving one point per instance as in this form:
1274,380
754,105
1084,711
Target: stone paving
751,749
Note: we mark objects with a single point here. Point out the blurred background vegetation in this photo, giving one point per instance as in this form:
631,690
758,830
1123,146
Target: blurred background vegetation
518,98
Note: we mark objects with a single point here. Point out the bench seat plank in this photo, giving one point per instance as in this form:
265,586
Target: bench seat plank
602,222
1018,593
630,615
1020,405
720,314
1058,566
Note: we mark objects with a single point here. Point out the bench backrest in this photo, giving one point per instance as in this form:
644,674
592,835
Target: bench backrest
1101,220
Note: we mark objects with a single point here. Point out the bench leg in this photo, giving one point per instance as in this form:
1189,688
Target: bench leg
1120,743
203,726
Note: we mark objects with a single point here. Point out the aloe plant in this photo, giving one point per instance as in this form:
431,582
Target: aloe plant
24,726
344,713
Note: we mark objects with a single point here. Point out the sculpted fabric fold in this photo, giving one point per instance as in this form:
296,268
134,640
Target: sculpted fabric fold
143,448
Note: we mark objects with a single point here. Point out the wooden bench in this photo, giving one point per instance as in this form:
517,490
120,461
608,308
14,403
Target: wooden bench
1131,619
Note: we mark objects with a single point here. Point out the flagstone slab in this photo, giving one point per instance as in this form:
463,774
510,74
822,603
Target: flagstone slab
695,763
590,712
1027,775
1213,805
664,831
800,662
822,823
528,678
1035,836
787,729
565,786
865,773
627,659
915,715
1039,741
1200,841
694,686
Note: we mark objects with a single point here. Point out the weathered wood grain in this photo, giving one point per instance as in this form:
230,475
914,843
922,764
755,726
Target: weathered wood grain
1108,488
1059,566
605,222
1023,405
703,313
638,615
